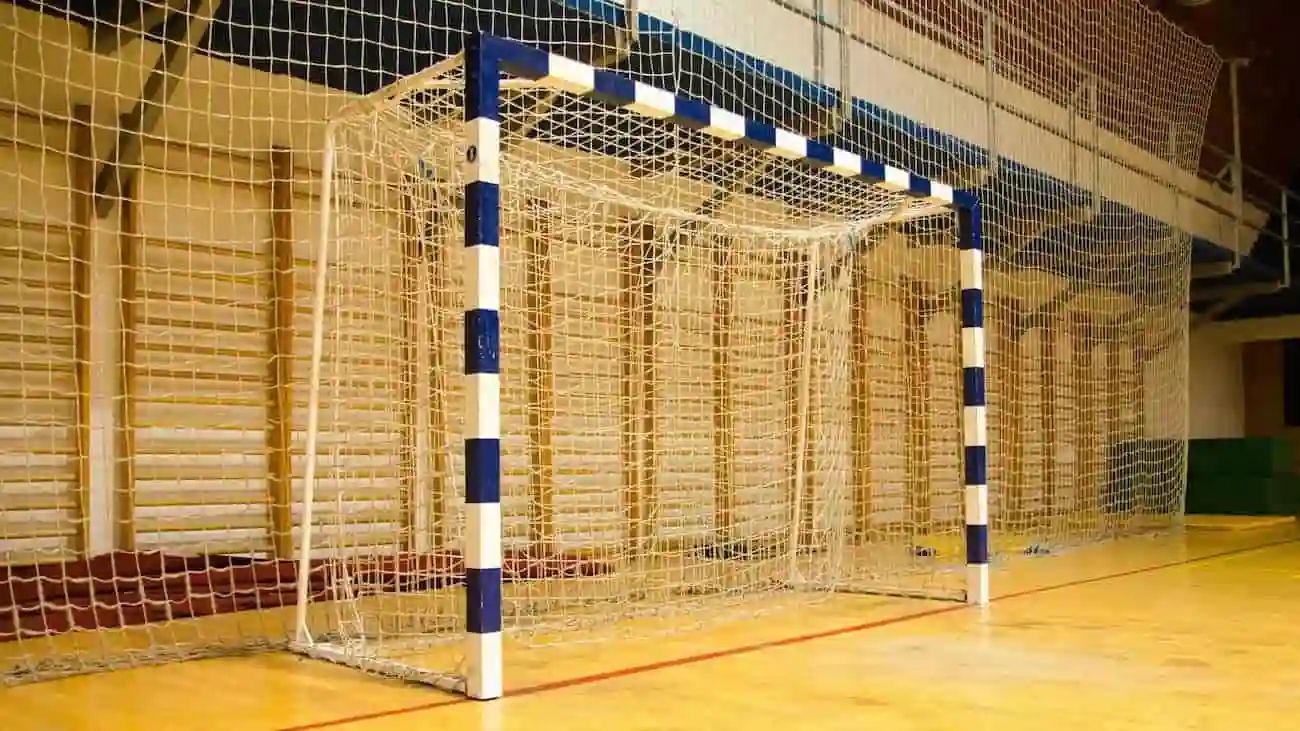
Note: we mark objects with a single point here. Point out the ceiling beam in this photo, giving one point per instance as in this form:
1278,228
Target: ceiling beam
1053,307
1213,269
1240,291
931,301
182,32
142,17
1023,232
1201,319
1246,330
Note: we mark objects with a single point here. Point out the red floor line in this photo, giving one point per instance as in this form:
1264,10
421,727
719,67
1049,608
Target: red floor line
757,646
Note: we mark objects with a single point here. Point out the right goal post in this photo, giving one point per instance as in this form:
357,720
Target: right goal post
649,361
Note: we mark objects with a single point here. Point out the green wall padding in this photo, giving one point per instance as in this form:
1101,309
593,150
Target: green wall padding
1258,456
1243,495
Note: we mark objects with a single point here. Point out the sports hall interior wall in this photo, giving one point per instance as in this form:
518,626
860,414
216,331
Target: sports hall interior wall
286,111
213,199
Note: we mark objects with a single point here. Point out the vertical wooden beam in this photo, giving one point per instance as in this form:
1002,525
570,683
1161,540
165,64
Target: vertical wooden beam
181,34
279,388
1263,394
1051,444
1084,383
136,20
1115,428
1141,501
630,272
722,279
795,334
129,242
791,329
1013,431
424,463
863,396
648,334
539,373
441,303
807,517
959,406
916,357
83,183
415,224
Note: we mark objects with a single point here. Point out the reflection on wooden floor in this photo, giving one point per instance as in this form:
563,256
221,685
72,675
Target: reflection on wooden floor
1183,632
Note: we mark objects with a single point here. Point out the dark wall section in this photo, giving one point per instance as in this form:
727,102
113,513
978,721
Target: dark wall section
1291,383
1261,367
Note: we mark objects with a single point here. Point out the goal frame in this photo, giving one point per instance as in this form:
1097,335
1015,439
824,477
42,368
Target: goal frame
487,58
489,64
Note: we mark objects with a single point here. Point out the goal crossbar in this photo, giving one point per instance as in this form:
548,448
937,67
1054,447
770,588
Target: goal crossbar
491,64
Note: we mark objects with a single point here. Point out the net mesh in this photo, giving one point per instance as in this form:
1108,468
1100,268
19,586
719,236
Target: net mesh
157,327
1087,291
683,422
1053,51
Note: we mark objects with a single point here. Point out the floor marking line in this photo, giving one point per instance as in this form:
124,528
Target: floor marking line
769,644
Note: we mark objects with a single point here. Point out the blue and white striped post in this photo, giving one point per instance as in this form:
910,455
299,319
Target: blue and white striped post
975,410
483,617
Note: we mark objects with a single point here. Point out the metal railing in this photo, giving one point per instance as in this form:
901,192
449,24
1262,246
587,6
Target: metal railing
1252,193
1252,189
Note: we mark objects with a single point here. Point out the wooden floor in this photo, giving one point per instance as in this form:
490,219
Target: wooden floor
1195,632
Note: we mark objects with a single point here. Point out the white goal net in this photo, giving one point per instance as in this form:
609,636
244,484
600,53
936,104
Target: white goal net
729,381
663,346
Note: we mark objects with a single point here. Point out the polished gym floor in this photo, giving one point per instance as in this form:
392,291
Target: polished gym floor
1196,631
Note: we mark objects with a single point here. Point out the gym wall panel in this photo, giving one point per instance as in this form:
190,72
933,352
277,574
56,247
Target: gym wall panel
761,371
831,405
358,500
685,392
588,392
38,408
201,319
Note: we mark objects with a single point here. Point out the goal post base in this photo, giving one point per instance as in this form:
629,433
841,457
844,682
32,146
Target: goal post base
899,592
357,659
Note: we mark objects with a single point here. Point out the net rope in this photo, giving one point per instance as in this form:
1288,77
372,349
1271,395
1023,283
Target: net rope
680,406
163,325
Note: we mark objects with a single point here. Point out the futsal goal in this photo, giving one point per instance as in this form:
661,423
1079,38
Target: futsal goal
654,363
